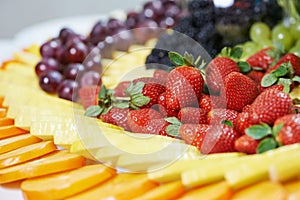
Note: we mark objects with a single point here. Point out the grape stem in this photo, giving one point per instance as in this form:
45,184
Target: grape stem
290,12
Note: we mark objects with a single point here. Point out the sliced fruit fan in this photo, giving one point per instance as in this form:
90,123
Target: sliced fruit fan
83,117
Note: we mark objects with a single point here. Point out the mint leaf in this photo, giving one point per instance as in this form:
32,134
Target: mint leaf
140,100
276,129
244,67
266,145
176,58
258,132
173,120
268,80
93,111
173,130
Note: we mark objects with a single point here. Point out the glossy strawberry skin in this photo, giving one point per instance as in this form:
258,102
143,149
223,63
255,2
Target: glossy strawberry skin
152,90
162,106
193,115
289,57
120,89
184,87
239,91
219,139
217,70
261,59
193,134
88,95
117,116
149,80
138,119
246,144
266,108
209,102
290,132
218,115
256,76
157,127
161,74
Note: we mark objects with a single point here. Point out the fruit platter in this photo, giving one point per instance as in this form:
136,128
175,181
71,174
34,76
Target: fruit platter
173,100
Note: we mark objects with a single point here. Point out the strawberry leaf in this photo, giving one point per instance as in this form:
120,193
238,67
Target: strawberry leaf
122,104
296,79
286,82
280,71
266,145
173,130
173,120
93,111
140,100
103,92
135,89
227,122
257,68
105,110
236,52
276,129
258,132
268,80
188,59
244,67
176,58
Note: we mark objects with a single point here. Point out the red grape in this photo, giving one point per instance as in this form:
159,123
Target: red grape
98,33
76,52
47,64
65,33
73,70
49,48
67,89
50,80
90,78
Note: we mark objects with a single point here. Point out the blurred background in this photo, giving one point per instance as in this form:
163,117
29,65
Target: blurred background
18,14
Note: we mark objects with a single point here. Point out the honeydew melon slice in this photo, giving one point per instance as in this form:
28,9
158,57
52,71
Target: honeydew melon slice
27,58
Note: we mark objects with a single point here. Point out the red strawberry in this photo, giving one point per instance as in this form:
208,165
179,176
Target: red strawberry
266,108
289,57
219,139
149,80
217,70
138,119
88,95
239,91
261,59
193,115
216,116
160,74
157,127
290,131
209,102
256,76
184,87
117,116
246,144
144,95
120,89
162,106
193,134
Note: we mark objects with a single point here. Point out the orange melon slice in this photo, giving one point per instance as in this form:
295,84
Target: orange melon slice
12,143
10,130
65,184
6,121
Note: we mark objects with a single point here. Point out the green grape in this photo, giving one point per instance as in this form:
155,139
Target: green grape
265,43
259,31
249,49
297,43
295,30
282,34
295,50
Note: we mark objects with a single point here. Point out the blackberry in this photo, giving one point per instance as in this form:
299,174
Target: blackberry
198,4
202,17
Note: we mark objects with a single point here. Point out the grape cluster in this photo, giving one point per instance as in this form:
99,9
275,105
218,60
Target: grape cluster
215,27
70,60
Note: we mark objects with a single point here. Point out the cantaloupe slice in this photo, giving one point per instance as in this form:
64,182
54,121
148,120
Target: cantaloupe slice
292,186
53,163
294,196
123,186
220,191
10,130
26,153
167,191
3,112
12,143
6,121
27,58
262,191
1,101
65,184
